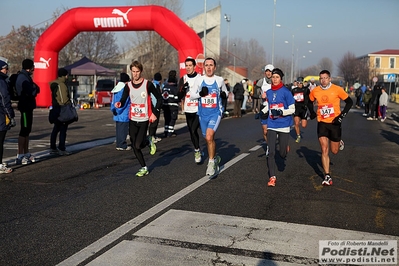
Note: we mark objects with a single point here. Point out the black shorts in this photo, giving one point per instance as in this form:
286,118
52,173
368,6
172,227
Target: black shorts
26,123
331,131
301,112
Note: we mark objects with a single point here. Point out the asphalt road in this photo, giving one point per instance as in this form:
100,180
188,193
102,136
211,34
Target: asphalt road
54,209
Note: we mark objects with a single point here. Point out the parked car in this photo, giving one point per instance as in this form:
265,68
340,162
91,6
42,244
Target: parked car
102,91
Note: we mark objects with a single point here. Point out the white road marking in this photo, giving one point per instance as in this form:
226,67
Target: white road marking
95,247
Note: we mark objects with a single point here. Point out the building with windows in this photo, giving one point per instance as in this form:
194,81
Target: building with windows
384,65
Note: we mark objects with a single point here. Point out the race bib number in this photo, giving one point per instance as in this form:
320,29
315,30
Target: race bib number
137,110
209,101
299,97
189,102
326,111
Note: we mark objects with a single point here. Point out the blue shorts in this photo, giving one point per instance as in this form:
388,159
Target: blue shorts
209,121
263,122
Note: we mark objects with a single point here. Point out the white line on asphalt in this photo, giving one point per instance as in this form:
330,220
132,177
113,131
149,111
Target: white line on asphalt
113,236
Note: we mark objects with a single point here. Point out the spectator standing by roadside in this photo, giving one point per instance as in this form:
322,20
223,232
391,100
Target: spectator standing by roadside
27,91
170,104
383,103
60,96
191,105
224,101
209,90
358,95
281,106
366,101
374,103
141,112
7,115
121,115
152,128
238,92
246,95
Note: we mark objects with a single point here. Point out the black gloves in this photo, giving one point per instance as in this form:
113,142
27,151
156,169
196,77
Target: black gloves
223,95
13,123
276,112
204,91
186,86
263,115
338,120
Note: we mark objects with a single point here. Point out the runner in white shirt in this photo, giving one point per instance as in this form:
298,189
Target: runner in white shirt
209,89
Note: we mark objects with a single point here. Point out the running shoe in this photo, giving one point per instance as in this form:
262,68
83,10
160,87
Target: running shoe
4,169
341,145
156,139
142,172
327,181
198,156
128,148
298,139
213,167
54,151
152,146
30,158
272,182
24,160
64,153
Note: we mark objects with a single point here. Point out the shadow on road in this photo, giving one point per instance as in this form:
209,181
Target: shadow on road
313,158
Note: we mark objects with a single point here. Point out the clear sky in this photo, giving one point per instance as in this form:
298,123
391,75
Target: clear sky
338,26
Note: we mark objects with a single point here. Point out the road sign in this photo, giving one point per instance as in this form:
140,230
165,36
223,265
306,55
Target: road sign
375,79
389,77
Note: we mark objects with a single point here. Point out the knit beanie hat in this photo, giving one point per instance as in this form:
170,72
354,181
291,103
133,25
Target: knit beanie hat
27,64
62,72
157,76
124,77
278,72
3,64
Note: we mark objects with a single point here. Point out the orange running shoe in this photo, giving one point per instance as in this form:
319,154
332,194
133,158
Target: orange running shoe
272,182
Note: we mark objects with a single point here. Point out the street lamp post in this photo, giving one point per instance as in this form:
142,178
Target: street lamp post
228,19
292,49
205,28
234,60
296,60
274,27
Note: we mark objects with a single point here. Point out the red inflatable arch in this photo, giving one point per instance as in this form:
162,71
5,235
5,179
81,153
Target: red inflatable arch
119,18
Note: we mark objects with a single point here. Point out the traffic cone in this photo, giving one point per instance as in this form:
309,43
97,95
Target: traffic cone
81,107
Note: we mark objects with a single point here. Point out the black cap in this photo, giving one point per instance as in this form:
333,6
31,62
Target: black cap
157,76
62,72
279,72
124,77
27,64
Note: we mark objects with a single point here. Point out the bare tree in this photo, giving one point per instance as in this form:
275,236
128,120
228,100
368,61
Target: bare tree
349,68
326,63
151,49
18,45
249,54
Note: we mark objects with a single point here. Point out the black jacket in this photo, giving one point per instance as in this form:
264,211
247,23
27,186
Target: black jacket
238,91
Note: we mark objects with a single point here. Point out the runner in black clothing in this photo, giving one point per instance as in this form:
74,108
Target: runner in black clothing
301,96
